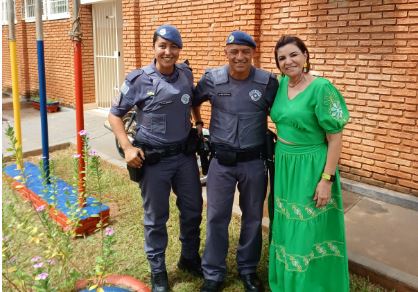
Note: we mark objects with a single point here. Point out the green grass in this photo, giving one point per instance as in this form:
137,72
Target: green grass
125,202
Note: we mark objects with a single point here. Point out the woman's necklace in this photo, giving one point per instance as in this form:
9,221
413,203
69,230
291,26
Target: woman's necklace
302,77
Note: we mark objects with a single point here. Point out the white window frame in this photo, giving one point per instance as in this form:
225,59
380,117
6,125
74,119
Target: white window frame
60,15
26,10
46,13
5,12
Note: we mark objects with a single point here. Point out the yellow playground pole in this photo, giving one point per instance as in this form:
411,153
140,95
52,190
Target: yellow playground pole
15,84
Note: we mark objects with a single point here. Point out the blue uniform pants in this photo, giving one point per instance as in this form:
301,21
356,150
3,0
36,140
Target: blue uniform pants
180,173
251,178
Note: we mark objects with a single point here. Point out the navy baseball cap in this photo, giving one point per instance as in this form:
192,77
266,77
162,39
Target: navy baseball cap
170,33
240,38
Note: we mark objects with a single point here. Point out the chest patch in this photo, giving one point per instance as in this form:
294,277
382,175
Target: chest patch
185,98
255,94
224,94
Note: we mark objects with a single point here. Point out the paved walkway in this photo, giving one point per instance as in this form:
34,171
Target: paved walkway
382,237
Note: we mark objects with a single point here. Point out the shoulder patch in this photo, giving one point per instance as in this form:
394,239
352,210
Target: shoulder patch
134,74
116,100
220,75
124,88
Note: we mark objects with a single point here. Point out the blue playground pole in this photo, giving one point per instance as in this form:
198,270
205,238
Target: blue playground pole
42,87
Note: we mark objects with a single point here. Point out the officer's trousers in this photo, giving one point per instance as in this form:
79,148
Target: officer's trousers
251,178
179,172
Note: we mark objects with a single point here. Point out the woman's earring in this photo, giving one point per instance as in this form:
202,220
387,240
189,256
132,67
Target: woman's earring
305,67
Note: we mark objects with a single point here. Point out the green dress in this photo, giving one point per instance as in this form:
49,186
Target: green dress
308,247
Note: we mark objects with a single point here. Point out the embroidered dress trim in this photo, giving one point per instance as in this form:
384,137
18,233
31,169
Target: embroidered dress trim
300,263
293,211
334,105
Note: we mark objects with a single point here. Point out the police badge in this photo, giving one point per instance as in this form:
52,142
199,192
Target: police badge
185,98
255,94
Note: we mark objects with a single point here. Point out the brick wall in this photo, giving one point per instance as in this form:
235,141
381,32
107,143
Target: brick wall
58,52
368,49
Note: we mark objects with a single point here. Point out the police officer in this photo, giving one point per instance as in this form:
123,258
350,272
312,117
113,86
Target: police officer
241,96
162,93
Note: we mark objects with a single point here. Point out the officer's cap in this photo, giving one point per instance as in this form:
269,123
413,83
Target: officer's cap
170,33
240,38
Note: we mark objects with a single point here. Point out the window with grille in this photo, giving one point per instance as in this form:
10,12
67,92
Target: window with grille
5,13
56,9
29,10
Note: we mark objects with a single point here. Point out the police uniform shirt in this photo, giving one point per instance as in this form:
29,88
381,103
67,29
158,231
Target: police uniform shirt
147,92
206,90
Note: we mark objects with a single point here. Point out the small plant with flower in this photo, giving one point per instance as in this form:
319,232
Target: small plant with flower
104,260
52,264
24,272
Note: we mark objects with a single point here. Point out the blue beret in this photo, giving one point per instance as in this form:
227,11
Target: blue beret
170,33
240,38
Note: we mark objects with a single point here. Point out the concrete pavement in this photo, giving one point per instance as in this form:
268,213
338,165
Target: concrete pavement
382,237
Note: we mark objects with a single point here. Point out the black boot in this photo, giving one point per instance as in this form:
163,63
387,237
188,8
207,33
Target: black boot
211,286
192,266
251,283
159,282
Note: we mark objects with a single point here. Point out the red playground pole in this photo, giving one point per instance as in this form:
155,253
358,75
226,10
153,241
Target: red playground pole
78,82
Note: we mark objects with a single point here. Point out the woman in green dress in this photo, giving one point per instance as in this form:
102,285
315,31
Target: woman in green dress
308,247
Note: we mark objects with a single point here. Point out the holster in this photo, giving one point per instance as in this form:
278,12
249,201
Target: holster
192,143
152,156
135,174
205,154
226,157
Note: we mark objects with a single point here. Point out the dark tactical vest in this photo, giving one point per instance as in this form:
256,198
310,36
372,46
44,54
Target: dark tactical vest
239,109
164,117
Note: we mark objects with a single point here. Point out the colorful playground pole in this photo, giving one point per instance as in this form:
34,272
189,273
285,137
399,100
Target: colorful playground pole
15,84
76,37
42,87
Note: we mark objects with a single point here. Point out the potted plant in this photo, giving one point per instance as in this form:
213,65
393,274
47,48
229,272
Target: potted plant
51,104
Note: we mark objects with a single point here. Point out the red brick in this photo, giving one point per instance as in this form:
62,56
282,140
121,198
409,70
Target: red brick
350,163
413,100
406,6
408,184
410,129
399,174
386,165
387,152
384,178
372,181
374,169
383,8
361,172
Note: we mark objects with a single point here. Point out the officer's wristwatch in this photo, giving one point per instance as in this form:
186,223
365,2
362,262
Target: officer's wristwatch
328,177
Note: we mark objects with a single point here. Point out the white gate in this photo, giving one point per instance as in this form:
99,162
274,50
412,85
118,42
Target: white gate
108,58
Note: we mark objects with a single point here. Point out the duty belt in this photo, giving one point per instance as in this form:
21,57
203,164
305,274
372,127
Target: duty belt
240,155
163,151
249,155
